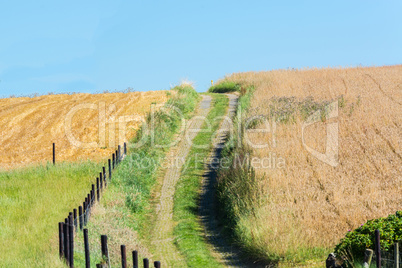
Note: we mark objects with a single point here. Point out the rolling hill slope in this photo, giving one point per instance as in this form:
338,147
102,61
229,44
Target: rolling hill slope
29,126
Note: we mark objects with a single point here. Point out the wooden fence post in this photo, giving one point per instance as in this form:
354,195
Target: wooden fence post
114,160
102,179
125,148
104,173
157,264
71,234
396,254
105,251
80,217
135,259
117,157
146,263
54,153
110,168
88,206
93,193
61,240
91,198
123,256
85,211
377,248
119,152
97,189
86,247
75,220
66,241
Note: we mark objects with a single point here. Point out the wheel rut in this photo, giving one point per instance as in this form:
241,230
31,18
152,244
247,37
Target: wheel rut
162,232
223,251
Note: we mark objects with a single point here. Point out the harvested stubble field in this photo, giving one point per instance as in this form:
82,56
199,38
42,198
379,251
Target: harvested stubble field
29,126
35,197
304,206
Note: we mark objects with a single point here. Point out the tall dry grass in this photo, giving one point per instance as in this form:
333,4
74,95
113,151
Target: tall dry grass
29,126
306,204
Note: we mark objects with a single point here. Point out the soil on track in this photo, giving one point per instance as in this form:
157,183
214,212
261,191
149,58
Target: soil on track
223,252
162,235
227,254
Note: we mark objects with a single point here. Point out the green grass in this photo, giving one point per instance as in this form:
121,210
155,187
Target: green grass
137,175
188,231
126,204
236,186
237,180
225,86
32,202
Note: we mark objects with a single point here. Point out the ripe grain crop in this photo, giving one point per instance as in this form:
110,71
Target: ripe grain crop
302,207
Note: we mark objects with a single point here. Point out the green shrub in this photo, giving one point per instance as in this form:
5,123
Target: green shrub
225,86
355,242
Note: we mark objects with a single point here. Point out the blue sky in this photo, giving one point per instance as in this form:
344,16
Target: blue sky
92,46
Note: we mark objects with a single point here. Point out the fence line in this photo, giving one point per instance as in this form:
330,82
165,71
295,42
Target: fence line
376,258
74,220
386,259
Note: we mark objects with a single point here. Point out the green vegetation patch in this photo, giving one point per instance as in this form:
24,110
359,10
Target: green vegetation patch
32,201
137,174
355,242
286,109
237,183
225,86
126,204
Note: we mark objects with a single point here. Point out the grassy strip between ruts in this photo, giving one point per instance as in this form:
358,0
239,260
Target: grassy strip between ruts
126,203
188,231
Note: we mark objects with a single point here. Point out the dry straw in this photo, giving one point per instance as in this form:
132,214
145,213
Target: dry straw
309,203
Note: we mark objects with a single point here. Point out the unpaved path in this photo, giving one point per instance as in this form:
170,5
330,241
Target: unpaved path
162,234
220,249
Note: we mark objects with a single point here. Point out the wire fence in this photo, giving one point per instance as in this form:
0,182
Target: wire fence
78,219
386,259
376,258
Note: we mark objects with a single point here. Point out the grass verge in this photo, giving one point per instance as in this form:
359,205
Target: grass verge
123,213
33,200
188,231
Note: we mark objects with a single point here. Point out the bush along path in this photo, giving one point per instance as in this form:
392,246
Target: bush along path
162,237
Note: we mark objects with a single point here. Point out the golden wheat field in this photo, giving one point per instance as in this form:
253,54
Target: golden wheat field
309,203
83,126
